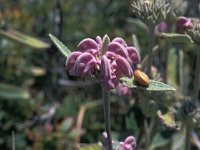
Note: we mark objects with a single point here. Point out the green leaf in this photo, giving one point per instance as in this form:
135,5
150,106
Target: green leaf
66,124
153,86
63,49
158,141
91,147
24,39
11,92
175,37
131,122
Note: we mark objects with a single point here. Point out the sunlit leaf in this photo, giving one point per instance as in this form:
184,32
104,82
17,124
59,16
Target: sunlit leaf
153,86
91,147
175,37
63,49
24,39
168,119
11,92
37,71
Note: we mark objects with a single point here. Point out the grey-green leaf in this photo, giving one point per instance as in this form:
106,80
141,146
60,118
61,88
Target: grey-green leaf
63,49
24,39
158,141
153,86
178,38
11,92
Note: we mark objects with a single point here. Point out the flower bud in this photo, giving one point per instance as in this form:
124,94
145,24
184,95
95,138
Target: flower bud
183,24
86,44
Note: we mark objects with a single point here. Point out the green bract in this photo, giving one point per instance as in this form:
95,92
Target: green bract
153,86
64,50
175,37
151,12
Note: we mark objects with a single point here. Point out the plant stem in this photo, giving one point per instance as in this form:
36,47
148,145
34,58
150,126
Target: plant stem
188,136
150,48
196,79
194,97
106,105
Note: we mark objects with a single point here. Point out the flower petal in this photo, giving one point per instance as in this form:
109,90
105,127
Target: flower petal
99,41
85,64
120,40
118,49
86,44
133,55
106,73
123,68
70,62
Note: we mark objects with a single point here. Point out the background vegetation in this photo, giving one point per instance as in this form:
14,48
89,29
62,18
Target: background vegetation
46,108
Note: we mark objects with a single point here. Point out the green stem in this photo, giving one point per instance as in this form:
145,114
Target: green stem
150,48
196,79
194,97
106,105
188,136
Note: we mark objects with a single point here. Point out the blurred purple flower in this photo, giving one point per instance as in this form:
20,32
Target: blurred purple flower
128,144
123,90
160,28
182,24
111,66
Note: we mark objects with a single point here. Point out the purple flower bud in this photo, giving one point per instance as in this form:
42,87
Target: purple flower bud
86,44
123,90
162,27
85,64
116,48
133,55
182,24
71,61
120,41
128,144
123,68
106,76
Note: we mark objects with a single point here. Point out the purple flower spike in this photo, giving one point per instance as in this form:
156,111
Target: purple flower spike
85,64
133,55
120,40
106,73
182,24
117,49
71,61
123,68
86,44
128,144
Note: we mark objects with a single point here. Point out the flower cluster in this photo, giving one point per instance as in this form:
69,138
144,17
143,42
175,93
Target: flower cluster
115,61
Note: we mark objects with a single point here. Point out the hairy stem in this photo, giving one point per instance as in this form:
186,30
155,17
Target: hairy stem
106,105
194,97
196,79
150,49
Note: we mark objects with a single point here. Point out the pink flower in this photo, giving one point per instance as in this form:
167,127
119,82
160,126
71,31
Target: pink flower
182,24
160,28
111,66
128,144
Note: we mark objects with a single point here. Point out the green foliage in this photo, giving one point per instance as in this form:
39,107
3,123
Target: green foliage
177,38
153,86
63,49
10,92
24,39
